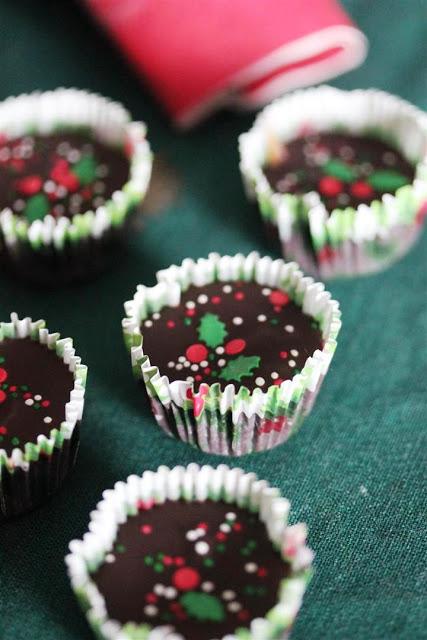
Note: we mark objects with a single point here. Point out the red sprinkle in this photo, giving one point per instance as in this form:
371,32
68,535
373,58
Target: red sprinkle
278,382
221,536
3,430
202,525
2,396
3,374
262,572
198,378
179,561
243,614
283,355
239,295
207,371
361,189
146,529
12,388
45,403
196,353
29,185
27,395
215,299
170,324
190,312
235,346
151,597
330,186
237,526
167,560
278,298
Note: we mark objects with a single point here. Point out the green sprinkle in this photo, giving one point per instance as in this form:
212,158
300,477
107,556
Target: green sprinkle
1,438
24,387
14,394
274,321
187,321
211,356
15,441
120,548
245,552
148,560
36,405
2,359
209,562
159,568
214,373
220,548
252,544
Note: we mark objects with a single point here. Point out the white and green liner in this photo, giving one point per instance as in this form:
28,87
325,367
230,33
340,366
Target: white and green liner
232,421
192,483
348,241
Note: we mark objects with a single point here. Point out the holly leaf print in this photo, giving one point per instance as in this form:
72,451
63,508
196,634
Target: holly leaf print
211,330
239,367
387,180
203,606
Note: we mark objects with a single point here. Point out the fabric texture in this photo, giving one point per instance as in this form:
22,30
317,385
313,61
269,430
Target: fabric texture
356,470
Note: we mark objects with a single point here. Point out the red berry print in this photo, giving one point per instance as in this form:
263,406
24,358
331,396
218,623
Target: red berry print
237,526
179,561
278,298
2,396
361,190
196,353
221,536
45,403
186,579
235,346
262,572
202,525
29,185
167,561
239,295
151,598
215,299
190,312
283,355
3,430
198,377
3,374
170,324
330,187
27,395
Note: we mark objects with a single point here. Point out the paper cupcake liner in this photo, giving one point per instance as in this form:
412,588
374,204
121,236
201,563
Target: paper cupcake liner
348,241
33,472
234,421
78,245
192,483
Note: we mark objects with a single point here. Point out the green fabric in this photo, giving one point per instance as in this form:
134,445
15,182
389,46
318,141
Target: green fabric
354,473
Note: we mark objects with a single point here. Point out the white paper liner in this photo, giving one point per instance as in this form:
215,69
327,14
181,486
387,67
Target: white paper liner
23,457
358,237
67,109
231,421
192,483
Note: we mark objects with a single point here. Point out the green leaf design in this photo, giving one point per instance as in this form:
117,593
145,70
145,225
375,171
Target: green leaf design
37,207
340,170
239,367
211,330
203,606
85,170
387,180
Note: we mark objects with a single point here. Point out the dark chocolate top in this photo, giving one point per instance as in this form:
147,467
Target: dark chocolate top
61,174
346,170
204,568
35,385
234,332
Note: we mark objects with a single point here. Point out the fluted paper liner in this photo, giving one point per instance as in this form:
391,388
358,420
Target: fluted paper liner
192,483
348,241
109,122
24,483
232,421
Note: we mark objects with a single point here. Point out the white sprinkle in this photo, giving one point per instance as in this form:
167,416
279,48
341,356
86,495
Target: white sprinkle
29,402
110,558
292,363
61,191
343,198
150,610
37,397
251,567
156,316
47,419
294,352
228,595
63,148
99,187
208,586
170,593
202,299
171,364
289,328
202,548
224,527
234,606
259,382
148,323
262,318
19,205
98,202
221,362
49,186
179,367
266,291
186,363
230,515
190,379
227,288
200,532
74,155
204,363
274,375
190,304
237,320
191,535
219,350
181,359
159,589
194,367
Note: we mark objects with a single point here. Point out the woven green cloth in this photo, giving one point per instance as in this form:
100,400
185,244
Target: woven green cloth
354,472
